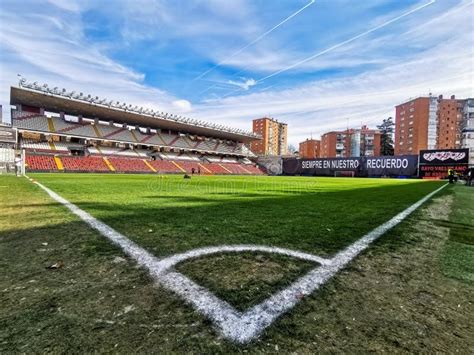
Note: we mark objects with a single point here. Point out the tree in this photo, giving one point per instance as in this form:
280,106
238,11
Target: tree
387,129
292,149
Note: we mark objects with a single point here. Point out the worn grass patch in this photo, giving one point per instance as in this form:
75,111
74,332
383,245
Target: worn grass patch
245,279
458,256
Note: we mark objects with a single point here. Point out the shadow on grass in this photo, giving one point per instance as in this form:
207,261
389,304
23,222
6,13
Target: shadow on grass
316,222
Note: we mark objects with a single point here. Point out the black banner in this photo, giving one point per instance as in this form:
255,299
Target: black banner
400,165
440,171
404,165
444,156
435,164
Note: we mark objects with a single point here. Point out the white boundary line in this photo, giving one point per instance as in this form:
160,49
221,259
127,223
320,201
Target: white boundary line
234,325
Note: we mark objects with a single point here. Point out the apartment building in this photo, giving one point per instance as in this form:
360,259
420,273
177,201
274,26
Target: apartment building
310,149
351,143
431,123
467,128
274,137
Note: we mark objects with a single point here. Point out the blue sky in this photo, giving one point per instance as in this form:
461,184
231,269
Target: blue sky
317,65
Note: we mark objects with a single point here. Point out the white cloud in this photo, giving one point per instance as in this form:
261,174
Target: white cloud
58,54
49,46
69,5
245,84
182,106
444,68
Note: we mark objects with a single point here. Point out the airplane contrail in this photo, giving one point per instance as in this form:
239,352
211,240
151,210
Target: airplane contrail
255,40
346,41
352,39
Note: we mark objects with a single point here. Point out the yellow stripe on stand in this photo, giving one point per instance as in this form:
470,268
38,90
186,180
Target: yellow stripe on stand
109,164
223,167
51,125
207,170
96,130
52,146
245,169
178,166
149,165
134,136
59,163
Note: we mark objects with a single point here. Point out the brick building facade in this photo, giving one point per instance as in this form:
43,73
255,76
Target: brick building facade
274,137
430,123
351,143
310,149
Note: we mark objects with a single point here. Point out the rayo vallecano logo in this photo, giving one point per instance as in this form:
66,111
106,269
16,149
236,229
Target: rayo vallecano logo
444,156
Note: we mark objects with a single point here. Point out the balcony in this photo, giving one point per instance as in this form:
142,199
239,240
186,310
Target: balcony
339,146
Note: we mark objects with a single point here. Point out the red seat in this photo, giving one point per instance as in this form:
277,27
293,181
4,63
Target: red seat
40,162
89,164
127,165
164,166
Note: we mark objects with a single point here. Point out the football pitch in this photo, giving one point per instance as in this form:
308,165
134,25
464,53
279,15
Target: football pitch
252,237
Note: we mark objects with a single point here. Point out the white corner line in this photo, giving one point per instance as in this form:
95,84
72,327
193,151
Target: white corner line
232,324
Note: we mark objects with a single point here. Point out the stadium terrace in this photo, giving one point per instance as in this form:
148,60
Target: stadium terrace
65,131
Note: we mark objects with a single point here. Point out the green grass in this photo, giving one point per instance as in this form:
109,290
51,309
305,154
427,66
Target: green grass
171,214
245,279
100,301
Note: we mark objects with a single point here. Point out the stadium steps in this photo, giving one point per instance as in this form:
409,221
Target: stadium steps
244,169
134,136
223,167
178,166
113,133
96,130
109,164
205,169
59,163
51,125
173,141
67,129
149,165
51,144
161,138
146,138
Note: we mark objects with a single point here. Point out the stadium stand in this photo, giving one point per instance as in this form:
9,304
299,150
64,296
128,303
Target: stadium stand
41,163
178,156
112,133
217,169
164,166
58,133
127,165
189,166
84,164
